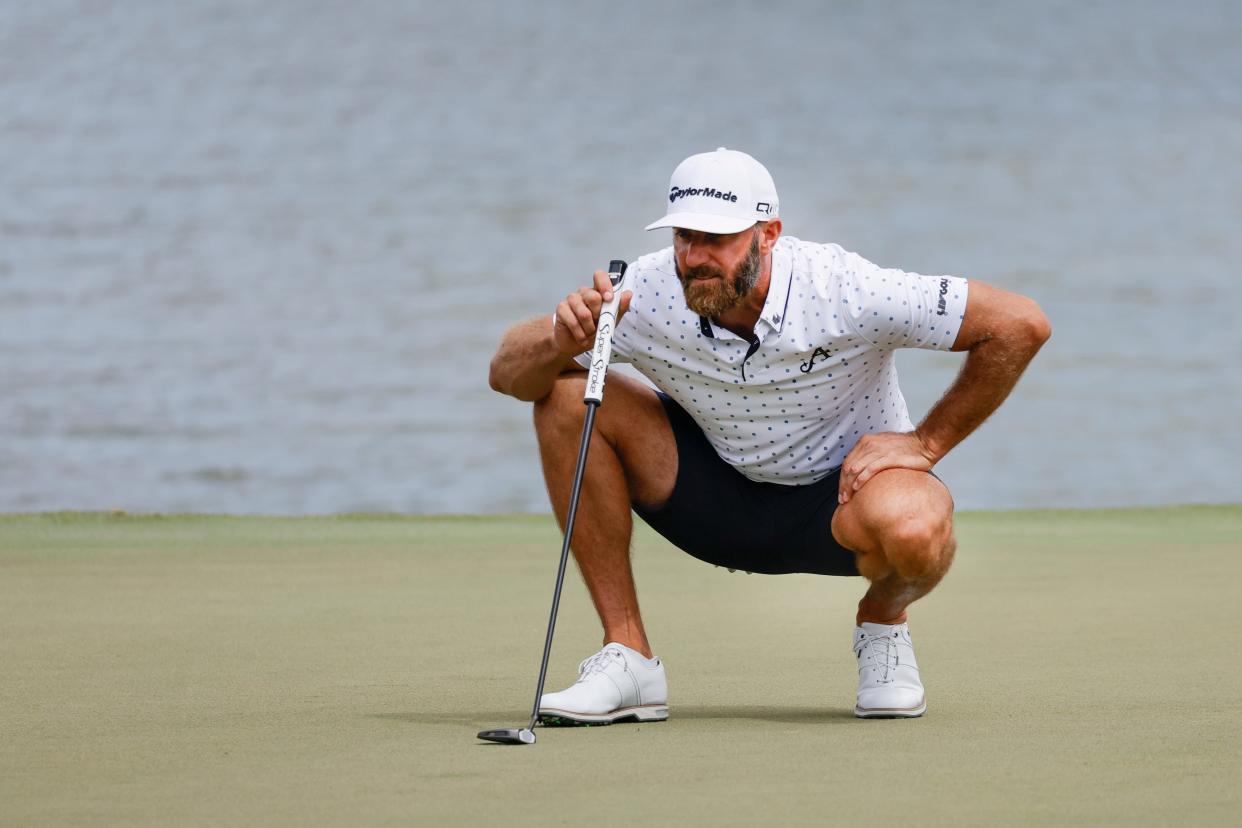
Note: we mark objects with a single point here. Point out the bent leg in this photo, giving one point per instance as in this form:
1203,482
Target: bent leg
632,458
900,527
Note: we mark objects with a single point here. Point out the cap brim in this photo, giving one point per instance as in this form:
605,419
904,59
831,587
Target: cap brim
703,222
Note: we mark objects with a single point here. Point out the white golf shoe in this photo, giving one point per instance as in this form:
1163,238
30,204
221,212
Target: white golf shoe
616,684
888,676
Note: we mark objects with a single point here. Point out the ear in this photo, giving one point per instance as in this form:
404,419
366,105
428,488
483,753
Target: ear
770,231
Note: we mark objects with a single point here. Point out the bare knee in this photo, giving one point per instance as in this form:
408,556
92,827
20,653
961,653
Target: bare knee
918,545
562,408
900,522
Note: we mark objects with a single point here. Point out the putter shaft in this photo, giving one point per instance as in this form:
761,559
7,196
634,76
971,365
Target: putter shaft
587,426
594,395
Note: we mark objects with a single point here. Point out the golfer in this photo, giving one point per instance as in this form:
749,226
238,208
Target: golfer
778,440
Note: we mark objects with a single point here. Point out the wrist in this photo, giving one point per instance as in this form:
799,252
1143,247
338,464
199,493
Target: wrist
928,446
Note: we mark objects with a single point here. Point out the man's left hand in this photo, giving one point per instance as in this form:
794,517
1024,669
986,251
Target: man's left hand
874,453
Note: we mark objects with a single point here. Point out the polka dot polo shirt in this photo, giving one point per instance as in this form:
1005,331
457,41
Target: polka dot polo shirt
788,408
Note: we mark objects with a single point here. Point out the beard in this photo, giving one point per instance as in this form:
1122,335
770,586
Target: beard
712,298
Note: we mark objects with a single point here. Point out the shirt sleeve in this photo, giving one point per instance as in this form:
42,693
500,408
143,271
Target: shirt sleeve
894,309
623,335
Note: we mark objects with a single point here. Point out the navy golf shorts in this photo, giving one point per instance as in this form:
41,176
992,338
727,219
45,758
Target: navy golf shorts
719,516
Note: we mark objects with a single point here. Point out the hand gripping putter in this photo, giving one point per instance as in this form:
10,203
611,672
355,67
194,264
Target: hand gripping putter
593,397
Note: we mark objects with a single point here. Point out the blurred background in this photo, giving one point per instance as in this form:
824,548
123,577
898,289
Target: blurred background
255,256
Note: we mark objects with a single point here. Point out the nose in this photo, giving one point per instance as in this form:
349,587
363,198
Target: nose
696,254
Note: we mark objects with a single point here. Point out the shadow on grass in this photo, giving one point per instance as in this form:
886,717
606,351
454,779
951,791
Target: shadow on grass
516,718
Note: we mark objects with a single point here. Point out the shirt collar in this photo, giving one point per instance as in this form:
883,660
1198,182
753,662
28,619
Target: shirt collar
776,306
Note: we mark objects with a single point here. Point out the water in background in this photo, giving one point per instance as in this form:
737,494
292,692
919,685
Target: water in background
255,257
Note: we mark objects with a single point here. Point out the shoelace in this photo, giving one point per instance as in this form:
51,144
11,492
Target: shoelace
881,653
599,662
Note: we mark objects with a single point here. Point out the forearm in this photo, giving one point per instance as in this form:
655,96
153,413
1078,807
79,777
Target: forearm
990,372
528,361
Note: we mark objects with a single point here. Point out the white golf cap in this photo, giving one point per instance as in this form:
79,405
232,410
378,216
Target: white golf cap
724,191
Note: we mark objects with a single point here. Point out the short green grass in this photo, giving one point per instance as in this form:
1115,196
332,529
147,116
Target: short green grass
1081,668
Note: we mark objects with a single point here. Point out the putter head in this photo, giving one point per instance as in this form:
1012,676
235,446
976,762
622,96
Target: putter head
509,736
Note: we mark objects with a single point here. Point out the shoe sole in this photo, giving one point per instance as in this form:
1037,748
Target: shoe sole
891,712
568,718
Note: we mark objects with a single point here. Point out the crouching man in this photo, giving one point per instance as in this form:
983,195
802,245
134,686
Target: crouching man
778,440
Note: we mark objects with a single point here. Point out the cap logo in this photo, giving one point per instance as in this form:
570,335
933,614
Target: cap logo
706,192
763,207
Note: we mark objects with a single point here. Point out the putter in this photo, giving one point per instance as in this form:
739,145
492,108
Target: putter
592,398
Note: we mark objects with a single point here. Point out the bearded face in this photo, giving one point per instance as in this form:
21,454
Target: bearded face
710,291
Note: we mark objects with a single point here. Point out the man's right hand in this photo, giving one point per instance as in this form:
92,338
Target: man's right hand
576,316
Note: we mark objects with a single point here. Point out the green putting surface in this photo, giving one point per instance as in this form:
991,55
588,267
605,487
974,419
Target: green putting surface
1081,668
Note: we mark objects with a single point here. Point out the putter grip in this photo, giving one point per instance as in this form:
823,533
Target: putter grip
603,335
